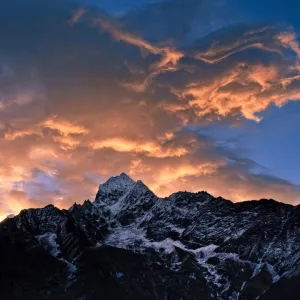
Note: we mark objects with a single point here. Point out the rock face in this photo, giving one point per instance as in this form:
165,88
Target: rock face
130,244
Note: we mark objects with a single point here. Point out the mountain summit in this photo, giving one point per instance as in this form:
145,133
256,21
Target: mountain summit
117,185
131,244
120,193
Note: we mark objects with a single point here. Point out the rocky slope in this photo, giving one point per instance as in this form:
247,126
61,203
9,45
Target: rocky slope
130,244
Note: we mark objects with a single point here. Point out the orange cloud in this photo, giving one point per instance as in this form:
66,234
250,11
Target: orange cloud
67,142
234,92
149,148
13,134
205,57
257,38
169,174
42,153
65,127
289,40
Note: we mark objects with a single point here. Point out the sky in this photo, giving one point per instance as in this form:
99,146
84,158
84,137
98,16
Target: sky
182,94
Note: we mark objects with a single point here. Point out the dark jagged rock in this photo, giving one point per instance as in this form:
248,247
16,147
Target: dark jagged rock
130,244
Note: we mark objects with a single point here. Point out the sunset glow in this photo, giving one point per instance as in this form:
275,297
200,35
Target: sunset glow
98,95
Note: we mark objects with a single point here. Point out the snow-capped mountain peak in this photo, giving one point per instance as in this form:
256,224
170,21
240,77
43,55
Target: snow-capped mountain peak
114,188
218,249
114,191
117,183
121,183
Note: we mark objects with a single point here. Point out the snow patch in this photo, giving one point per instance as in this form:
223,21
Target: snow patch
275,276
124,237
178,230
48,242
71,267
236,235
119,274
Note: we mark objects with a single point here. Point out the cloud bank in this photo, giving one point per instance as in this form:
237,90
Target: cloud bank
85,96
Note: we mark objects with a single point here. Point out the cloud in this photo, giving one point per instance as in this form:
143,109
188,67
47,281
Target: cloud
254,38
169,56
243,86
289,41
149,148
77,15
12,135
91,96
64,127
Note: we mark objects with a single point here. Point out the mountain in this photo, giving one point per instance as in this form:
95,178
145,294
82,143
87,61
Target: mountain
131,244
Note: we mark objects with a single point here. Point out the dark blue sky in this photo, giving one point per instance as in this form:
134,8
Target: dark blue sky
275,143
272,142
117,6
278,10
274,10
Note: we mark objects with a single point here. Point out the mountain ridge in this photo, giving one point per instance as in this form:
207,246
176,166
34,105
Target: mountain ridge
237,250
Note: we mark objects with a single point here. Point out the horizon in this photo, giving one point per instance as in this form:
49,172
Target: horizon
2,218
181,94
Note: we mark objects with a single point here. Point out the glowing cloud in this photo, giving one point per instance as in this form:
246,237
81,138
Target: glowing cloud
65,127
98,99
149,148
11,135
